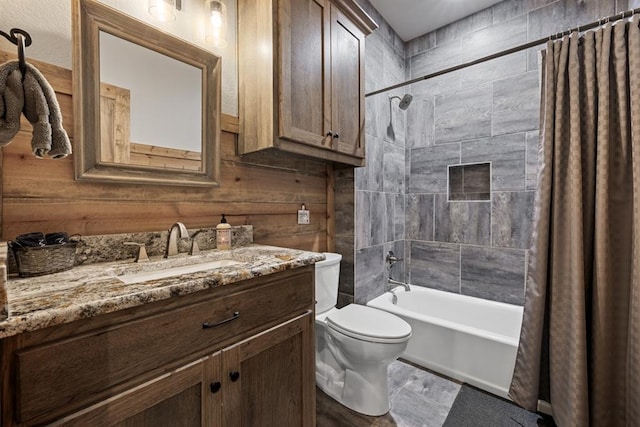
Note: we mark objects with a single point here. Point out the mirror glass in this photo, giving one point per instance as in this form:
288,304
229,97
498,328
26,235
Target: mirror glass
150,107
148,103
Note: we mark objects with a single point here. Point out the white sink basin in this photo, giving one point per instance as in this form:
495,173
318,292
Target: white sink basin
175,271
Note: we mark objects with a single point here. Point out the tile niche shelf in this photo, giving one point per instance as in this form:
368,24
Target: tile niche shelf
469,182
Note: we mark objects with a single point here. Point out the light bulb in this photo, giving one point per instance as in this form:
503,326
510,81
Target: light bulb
163,10
216,31
216,19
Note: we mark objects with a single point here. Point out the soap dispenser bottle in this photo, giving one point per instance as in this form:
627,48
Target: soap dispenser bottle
223,234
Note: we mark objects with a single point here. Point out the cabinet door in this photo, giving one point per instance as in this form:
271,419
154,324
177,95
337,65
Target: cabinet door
304,76
347,77
269,379
185,397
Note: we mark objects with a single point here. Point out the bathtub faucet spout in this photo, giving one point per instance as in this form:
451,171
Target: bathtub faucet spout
397,283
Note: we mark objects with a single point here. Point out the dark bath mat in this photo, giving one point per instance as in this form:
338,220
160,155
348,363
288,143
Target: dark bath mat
477,408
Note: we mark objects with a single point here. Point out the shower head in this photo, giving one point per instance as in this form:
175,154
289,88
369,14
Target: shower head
405,101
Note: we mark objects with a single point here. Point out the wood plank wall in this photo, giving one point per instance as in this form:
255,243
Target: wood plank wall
265,191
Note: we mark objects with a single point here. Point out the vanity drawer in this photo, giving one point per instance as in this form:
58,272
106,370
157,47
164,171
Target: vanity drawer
65,376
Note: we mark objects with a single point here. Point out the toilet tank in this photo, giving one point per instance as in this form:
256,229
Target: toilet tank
327,279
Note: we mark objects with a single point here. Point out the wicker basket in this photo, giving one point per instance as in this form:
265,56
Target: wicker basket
40,260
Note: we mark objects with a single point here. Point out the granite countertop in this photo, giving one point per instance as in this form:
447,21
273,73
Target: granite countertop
94,289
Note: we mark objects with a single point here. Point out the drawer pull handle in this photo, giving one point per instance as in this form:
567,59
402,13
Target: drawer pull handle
215,387
207,325
234,375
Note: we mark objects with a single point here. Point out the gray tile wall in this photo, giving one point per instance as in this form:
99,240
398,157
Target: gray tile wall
345,227
485,113
488,112
380,186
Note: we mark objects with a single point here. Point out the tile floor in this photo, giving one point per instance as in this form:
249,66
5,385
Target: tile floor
418,399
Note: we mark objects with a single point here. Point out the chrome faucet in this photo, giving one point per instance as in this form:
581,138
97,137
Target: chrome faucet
406,286
172,239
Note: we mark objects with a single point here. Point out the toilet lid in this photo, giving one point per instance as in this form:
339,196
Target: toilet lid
369,324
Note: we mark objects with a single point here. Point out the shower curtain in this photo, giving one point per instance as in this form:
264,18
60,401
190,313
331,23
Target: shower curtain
580,339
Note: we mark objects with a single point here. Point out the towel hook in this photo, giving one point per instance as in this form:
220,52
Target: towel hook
22,63
14,39
21,39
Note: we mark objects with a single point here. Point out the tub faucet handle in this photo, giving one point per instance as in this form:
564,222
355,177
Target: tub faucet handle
391,259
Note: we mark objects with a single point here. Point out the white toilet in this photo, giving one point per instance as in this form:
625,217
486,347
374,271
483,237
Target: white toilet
354,345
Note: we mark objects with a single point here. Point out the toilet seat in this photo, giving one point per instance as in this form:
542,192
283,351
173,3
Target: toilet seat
369,324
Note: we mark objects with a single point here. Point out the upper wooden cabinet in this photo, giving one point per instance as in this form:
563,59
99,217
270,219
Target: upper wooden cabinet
301,73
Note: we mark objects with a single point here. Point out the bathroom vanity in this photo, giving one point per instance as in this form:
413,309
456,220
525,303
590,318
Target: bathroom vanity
231,346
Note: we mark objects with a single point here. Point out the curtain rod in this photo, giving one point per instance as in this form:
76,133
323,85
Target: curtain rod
515,49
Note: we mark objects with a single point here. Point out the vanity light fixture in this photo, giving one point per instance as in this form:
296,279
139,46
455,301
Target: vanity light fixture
216,23
164,10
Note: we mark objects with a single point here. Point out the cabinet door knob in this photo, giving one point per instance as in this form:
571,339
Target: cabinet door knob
336,136
215,387
329,133
234,375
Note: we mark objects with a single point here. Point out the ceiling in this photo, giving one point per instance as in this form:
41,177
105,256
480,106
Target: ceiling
413,18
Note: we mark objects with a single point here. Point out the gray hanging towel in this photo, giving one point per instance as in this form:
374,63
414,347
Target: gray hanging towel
41,108
11,101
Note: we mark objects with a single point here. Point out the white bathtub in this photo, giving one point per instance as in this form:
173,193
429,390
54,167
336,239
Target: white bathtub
466,338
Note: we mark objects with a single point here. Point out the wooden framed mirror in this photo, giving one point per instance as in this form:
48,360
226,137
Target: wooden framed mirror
146,103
